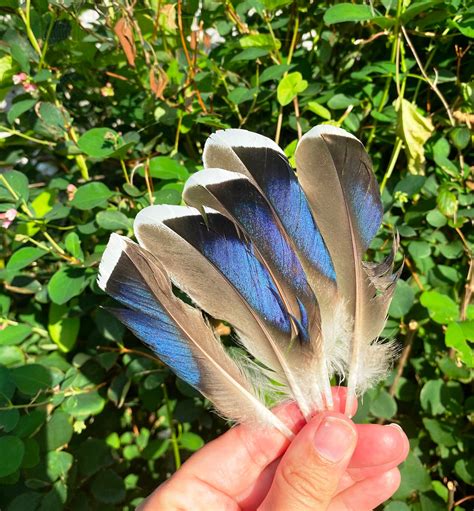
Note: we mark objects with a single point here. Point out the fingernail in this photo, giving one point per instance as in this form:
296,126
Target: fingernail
333,439
396,426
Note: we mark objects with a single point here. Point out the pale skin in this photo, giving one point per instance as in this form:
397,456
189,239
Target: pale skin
332,464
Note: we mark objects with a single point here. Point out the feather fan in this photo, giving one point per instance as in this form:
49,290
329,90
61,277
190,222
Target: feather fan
278,255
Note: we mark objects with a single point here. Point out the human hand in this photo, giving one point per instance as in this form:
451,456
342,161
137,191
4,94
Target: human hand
331,465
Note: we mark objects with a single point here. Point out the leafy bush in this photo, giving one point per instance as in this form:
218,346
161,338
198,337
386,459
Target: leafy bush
105,108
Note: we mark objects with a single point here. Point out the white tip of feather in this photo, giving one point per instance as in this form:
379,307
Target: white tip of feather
241,138
210,176
328,129
110,258
158,214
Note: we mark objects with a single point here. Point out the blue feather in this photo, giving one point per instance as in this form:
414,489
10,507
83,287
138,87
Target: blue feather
164,339
217,239
278,182
147,319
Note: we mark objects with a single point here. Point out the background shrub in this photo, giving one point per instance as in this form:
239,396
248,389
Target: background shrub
105,108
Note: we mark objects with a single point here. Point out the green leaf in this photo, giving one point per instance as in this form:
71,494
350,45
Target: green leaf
9,419
12,449
164,167
73,245
43,203
341,13
31,378
259,41
94,455
383,405
274,72
465,470
455,337
30,423
82,406
250,54
415,478
118,389
24,257
441,308
420,7
62,329
58,464
341,102
58,431
32,453
11,356
14,334
419,249
29,500
91,195
241,94
113,220
100,143
289,87
66,283
438,397
191,441
441,433
6,71
319,110
436,219
460,137
53,117
108,487
19,108
447,202
414,130
18,182
402,301
167,197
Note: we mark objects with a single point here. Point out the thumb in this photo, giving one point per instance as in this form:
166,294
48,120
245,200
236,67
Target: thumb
309,472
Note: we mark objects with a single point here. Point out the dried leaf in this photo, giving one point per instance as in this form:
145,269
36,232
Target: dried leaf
124,31
158,81
167,19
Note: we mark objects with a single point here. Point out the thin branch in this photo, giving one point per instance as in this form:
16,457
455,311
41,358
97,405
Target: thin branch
433,85
188,58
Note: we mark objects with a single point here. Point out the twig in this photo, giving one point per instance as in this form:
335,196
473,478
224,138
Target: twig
26,137
188,58
413,273
451,491
391,165
297,116
468,291
409,339
122,350
464,499
174,439
433,85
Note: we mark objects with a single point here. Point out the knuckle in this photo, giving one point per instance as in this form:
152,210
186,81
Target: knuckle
257,455
306,485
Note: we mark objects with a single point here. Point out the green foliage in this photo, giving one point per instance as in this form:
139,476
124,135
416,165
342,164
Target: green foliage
104,112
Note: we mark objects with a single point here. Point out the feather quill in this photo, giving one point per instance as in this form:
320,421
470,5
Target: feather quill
177,332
